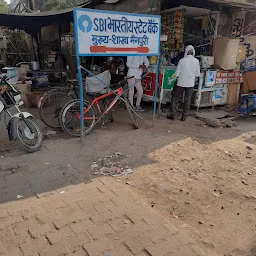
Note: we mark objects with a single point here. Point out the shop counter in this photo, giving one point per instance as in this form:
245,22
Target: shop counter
166,83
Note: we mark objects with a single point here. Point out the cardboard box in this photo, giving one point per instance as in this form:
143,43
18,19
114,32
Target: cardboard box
225,53
241,55
249,82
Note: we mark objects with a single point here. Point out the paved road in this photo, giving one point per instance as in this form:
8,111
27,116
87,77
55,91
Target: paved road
95,219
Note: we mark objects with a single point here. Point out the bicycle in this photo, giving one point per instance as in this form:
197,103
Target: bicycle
52,102
71,111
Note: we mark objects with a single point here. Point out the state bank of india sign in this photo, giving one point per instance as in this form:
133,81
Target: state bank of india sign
111,33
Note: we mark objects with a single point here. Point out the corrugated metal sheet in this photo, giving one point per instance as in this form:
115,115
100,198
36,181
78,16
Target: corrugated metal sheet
247,4
139,6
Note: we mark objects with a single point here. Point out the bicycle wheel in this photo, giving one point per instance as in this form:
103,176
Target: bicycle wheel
70,118
131,113
51,105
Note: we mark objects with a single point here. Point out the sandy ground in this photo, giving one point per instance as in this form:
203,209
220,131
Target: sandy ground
200,178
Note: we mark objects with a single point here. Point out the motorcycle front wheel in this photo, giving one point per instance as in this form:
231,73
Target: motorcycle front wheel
29,138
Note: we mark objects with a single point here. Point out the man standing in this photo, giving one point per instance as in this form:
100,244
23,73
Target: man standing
187,71
137,66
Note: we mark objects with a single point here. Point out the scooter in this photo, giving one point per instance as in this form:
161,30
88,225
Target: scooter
21,127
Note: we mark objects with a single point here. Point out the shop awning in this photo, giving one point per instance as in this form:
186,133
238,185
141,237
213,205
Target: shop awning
190,11
33,22
245,4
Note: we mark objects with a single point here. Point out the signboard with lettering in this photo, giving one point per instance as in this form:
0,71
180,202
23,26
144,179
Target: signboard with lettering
106,33
238,24
249,64
228,77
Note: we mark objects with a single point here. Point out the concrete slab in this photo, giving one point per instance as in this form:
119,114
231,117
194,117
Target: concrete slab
216,114
246,123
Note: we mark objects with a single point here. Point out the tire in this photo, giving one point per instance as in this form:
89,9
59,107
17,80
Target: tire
69,114
131,113
51,105
30,142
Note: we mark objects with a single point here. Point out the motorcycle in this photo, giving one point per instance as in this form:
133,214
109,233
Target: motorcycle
21,127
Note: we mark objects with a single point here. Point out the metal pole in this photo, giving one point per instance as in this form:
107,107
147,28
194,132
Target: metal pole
217,25
81,96
156,89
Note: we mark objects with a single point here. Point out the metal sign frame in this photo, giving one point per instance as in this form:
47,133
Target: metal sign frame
78,55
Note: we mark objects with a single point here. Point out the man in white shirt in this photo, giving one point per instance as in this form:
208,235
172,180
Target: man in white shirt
187,71
137,65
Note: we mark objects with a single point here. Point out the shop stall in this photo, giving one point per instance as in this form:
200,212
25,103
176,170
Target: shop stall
177,31
217,87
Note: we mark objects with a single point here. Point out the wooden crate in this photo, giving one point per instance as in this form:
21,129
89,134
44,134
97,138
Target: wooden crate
233,94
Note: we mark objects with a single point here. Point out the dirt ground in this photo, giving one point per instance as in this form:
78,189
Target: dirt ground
199,178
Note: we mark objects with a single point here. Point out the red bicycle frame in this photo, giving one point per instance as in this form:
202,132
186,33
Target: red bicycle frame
118,92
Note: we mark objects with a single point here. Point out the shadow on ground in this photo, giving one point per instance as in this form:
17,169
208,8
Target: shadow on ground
64,161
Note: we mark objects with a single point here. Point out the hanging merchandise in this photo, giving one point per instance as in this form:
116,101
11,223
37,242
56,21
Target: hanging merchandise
173,27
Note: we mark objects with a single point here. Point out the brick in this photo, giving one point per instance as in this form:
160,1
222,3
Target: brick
38,230
158,234
138,229
102,217
74,197
106,181
155,220
100,231
87,207
75,242
137,244
14,252
82,226
94,184
172,229
74,212
62,222
186,251
59,235
22,227
179,240
11,220
144,253
120,236
118,211
55,201
136,213
102,207
117,200
55,250
92,193
3,213
6,232
120,224
28,214
79,252
161,249
17,207
10,239
121,249
34,246
2,249
45,217
97,247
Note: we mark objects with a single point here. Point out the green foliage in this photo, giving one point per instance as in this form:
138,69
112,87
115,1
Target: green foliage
3,6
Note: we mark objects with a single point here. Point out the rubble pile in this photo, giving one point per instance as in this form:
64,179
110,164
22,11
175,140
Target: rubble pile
114,165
